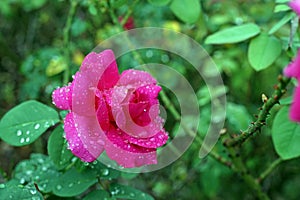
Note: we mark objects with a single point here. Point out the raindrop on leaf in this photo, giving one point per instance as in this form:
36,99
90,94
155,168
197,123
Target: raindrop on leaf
37,126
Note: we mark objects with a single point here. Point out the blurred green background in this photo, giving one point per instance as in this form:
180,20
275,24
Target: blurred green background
33,60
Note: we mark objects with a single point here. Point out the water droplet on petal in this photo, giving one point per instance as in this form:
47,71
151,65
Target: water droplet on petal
2,186
71,185
27,132
27,139
22,140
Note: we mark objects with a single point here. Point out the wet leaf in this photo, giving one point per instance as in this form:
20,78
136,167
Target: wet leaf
23,124
57,149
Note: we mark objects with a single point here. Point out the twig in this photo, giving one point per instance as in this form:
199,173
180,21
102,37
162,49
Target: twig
129,12
66,39
240,168
269,170
256,126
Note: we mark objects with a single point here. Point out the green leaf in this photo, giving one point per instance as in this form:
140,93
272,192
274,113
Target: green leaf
13,190
74,182
286,101
263,51
233,34
56,65
282,22
281,8
159,2
39,169
97,194
57,149
119,3
127,192
24,123
282,1
186,10
237,116
29,5
286,135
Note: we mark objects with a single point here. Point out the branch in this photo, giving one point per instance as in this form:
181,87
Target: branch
240,168
256,126
270,168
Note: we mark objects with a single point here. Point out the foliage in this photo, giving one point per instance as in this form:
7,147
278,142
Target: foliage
42,43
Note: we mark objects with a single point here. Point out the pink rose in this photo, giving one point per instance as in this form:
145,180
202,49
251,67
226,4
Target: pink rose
112,112
295,5
293,70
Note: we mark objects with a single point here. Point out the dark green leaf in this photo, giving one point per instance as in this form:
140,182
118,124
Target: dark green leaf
263,51
24,123
186,10
233,34
39,170
127,192
74,182
97,194
14,190
57,149
286,135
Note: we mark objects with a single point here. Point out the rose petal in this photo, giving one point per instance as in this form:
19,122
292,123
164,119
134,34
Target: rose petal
90,133
62,97
295,107
135,79
102,112
141,102
126,154
91,76
295,5
118,138
75,143
155,141
293,69
111,75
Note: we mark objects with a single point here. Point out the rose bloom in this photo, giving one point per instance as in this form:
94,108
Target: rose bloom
112,112
293,70
295,5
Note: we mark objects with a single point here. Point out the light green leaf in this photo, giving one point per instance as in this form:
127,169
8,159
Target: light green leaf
159,2
233,34
286,101
73,182
24,123
282,1
186,10
282,22
286,135
127,192
238,116
281,8
57,149
263,51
